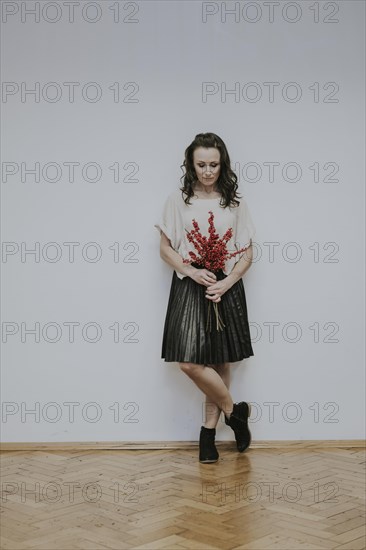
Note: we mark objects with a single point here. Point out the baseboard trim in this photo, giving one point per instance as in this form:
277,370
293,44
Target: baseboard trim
163,445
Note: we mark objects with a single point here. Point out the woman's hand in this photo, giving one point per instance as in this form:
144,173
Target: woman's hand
216,290
202,276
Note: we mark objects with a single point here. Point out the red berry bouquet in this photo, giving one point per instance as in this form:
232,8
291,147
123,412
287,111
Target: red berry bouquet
212,253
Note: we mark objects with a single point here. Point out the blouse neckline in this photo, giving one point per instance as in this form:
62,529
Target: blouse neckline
214,199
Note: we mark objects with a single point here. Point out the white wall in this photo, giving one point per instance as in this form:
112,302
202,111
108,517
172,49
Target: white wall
170,51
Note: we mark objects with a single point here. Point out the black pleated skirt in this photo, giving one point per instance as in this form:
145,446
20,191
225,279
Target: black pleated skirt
191,324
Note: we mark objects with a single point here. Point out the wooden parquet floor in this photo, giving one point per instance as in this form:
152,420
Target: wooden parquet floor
310,498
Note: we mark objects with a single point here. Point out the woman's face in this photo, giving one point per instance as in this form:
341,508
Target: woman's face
206,162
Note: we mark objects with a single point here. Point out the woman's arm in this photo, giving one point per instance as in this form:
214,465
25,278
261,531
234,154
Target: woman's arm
171,257
241,266
175,260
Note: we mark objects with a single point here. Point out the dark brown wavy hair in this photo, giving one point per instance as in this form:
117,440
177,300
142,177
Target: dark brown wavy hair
227,180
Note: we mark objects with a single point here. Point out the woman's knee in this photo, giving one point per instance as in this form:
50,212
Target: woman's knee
191,369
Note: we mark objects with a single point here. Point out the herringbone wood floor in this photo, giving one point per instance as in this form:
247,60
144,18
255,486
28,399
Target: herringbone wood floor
310,498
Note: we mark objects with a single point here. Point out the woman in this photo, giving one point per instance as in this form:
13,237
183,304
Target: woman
198,294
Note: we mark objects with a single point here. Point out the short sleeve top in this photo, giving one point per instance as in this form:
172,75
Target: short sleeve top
177,217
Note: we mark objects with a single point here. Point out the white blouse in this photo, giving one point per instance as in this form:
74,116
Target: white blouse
177,217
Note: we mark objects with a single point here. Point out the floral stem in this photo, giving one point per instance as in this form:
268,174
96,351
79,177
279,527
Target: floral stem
219,322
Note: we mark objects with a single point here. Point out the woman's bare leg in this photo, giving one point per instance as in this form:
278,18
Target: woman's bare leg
212,385
212,411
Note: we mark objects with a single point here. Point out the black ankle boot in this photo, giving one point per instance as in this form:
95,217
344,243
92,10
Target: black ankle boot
208,451
238,421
